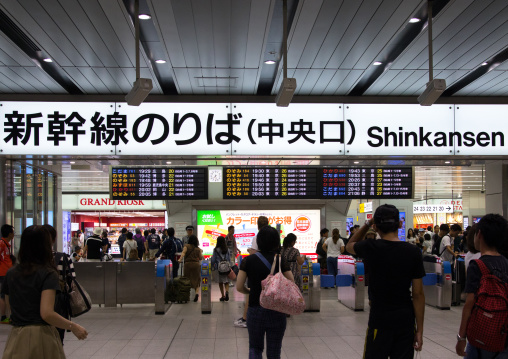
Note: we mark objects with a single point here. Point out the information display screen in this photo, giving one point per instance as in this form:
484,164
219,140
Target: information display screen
184,183
369,183
270,182
317,182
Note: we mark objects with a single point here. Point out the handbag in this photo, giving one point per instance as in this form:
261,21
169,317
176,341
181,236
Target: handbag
78,298
279,293
231,275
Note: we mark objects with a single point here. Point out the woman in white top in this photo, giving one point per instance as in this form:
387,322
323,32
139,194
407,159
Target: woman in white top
333,247
472,253
411,237
130,248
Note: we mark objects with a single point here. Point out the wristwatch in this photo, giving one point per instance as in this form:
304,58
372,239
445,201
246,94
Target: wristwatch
461,339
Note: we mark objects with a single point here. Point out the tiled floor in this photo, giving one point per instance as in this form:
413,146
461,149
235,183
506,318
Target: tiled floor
183,332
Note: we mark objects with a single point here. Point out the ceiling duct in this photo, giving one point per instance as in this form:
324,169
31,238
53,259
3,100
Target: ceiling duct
288,86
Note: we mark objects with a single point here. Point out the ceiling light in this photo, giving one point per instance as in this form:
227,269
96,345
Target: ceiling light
356,162
447,162
414,20
168,163
72,162
47,59
270,62
160,61
485,63
144,17
377,63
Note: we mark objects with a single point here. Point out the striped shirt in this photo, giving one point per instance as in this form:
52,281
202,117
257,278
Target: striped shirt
60,266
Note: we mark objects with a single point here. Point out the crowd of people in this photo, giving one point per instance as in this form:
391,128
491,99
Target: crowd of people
30,284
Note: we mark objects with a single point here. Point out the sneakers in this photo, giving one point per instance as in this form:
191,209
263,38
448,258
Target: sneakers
227,297
240,323
6,321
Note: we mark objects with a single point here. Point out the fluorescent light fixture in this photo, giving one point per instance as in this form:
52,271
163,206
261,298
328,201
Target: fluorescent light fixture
270,62
414,20
144,17
72,162
74,171
168,163
160,61
356,162
377,63
47,59
447,162
485,63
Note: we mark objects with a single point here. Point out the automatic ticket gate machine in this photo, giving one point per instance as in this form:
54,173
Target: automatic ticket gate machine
350,282
163,274
311,286
206,287
437,283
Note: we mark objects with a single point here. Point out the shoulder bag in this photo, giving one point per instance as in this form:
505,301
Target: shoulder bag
279,293
79,299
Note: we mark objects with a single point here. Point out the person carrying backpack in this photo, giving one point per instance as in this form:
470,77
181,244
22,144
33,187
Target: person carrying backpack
484,322
130,249
221,261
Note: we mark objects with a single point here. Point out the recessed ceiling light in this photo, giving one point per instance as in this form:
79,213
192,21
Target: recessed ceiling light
144,17
47,59
72,162
270,62
377,63
485,63
447,162
414,20
160,61
356,162
168,163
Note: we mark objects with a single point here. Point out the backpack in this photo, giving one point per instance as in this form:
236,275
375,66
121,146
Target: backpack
319,248
436,245
133,254
179,245
487,327
224,266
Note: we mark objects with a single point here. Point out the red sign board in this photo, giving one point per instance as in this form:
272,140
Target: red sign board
360,278
448,277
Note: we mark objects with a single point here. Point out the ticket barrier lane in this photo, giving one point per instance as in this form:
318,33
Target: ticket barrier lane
163,274
437,283
459,282
350,283
311,288
206,287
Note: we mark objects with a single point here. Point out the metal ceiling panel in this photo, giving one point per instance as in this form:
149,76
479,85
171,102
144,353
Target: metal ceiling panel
45,79
221,20
415,77
390,81
183,81
24,79
194,74
120,78
202,13
323,81
10,55
240,16
349,82
14,82
96,81
109,82
80,80
496,87
480,85
260,19
310,82
187,32
250,81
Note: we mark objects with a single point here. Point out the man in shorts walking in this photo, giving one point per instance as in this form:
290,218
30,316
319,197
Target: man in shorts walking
393,266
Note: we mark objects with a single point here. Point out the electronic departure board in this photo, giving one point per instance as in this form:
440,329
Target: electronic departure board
317,182
159,183
270,182
369,183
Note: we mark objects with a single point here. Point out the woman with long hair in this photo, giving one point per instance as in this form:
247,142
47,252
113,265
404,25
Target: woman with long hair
222,253
411,237
293,257
191,256
30,288
334,247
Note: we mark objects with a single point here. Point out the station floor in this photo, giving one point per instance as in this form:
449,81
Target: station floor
134,331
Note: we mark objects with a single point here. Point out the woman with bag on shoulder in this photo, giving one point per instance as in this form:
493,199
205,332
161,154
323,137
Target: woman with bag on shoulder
30,288
221,261
261,320
191,257
130,248
293,257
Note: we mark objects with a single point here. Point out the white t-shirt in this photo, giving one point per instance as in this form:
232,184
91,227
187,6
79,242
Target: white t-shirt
446,241
333,250
428,245
128,245
255,243
470,256
411,240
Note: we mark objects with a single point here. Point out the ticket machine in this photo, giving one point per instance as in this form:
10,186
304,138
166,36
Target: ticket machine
311,286
350,283
437,283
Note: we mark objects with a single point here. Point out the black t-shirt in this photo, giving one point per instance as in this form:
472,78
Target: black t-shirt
94,244
121,241
25,293
391,265
498,265
257,271
154,241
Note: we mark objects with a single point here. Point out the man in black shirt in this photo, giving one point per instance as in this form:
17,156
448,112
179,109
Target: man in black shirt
393,266
93,246
154,243
490,239
121,240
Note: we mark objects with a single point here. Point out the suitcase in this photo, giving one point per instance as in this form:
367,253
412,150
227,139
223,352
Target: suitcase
178,290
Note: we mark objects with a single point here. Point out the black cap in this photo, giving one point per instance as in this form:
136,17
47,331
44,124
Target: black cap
386,213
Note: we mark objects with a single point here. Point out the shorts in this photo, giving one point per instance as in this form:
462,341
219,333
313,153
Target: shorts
389,343
1,284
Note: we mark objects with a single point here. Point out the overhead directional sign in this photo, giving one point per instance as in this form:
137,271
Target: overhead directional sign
432,208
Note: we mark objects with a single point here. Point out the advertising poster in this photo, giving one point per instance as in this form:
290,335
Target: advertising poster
305,224
66,231
349,225
402,230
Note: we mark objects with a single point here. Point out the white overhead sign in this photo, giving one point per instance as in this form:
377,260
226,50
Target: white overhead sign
432,208
83,128
91,202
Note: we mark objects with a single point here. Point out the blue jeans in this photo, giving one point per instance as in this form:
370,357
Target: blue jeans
473,352
331,263
259,322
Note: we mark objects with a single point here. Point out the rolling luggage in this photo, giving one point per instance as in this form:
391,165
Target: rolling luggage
178,290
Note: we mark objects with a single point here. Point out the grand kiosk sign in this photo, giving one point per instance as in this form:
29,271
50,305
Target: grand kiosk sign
159,129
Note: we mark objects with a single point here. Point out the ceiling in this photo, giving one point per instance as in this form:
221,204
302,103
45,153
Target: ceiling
219,47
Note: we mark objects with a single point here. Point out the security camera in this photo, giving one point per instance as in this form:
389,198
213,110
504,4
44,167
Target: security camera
286,92
140,90
434,89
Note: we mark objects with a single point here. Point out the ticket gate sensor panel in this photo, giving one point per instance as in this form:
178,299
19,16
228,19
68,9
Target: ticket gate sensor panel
206,287
311,289
163,274
437,283
351,283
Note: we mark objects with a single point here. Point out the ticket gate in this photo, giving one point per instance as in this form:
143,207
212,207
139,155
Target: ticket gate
350,283
163,274
206,287
437,283
311,286
459,281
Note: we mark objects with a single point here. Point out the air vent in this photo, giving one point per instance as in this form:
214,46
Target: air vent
17,35
216,81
